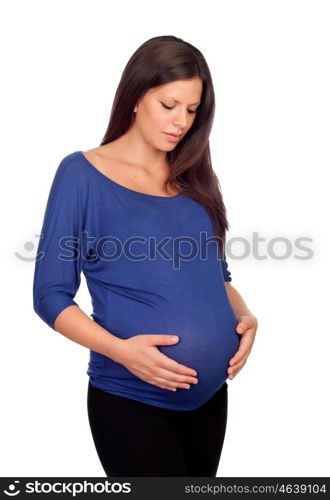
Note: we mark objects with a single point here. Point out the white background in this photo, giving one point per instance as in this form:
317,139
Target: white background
61,64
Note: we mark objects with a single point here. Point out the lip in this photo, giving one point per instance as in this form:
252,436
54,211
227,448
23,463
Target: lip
173,137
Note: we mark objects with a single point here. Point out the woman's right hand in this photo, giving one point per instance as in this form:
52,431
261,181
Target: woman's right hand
140,355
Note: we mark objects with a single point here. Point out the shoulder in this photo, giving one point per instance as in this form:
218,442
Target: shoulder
73,169
71,175
71,165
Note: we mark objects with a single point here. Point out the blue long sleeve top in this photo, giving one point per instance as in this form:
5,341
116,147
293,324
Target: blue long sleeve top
147,271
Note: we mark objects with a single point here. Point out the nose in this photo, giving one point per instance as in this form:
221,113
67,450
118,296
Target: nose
180,120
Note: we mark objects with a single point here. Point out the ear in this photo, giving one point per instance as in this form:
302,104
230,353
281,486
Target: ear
137,104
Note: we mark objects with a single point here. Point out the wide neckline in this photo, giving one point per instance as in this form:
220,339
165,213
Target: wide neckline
120,186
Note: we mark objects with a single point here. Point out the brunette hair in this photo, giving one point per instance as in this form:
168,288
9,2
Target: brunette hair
157,61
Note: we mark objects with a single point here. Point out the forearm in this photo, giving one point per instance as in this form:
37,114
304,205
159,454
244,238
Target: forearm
237,302
74,324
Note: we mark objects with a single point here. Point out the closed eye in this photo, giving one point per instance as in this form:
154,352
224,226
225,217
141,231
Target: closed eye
189,110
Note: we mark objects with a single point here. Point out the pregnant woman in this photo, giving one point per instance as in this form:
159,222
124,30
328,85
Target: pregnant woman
142,217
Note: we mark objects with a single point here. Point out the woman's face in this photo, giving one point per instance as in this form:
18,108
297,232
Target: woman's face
168,108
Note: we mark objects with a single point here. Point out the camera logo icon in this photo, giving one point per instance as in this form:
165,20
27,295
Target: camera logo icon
12,490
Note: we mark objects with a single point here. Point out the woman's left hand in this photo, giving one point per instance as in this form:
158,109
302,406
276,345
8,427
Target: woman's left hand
247,327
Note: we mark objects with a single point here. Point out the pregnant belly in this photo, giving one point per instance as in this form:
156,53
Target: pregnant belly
206,344
208,352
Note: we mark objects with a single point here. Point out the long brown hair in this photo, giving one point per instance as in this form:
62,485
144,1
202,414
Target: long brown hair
157,61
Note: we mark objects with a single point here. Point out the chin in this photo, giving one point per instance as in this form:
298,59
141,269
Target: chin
165,149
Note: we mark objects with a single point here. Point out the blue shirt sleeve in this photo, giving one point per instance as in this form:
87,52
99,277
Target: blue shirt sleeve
225,270
59,258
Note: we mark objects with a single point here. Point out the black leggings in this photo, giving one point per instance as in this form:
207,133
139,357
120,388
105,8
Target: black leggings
137,439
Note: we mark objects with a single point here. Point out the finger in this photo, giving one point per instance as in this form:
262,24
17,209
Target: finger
244,322
240,354
241,327
234,373
246,343
174,377
238,366
164,382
